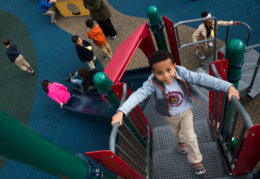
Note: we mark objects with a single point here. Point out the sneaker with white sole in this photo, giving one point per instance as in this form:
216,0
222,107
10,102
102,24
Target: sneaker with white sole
113,37
210,44
199,169
182,148
202,57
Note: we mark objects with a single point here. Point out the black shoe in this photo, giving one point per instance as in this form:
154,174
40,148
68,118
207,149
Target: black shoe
67,79
72,75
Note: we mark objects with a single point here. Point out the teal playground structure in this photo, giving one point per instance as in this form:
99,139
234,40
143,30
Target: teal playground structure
144,146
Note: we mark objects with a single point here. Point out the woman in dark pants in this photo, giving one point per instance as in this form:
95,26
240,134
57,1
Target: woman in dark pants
100,13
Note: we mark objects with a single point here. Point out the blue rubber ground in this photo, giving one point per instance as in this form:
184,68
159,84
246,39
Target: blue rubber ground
56,57
179,10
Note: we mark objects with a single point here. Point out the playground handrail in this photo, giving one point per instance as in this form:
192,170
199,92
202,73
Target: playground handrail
225,129
198,42
256,66
115,132
112,139
243,24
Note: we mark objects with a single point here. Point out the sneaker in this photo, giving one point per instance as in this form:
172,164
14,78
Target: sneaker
182,148
67,79
72,75
202,57
199,168
210,44
113,37
32,71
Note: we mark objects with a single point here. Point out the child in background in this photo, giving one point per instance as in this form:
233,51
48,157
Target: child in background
56,91
47,8
99,38
84,51
206,31
85,81
173,100
16,58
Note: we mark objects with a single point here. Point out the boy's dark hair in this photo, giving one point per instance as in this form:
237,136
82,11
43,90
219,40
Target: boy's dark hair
45,84
74,38
84,72
89,23
159,56
204,14
5,41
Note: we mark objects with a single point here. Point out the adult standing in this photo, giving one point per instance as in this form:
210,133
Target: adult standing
100,13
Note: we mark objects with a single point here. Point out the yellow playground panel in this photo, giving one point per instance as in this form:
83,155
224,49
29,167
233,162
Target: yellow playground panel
68,8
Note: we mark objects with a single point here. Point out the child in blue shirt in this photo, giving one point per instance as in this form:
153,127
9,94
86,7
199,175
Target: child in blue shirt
16,58
173,100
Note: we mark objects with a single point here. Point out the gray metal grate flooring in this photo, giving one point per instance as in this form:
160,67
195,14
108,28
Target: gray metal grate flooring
163,137
170,164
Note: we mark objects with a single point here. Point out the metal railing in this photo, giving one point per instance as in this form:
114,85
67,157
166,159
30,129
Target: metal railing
198,42
140,141
255,66
226,125
243,24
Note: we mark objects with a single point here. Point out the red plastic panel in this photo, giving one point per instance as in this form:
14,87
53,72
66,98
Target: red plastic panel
250,152
220,55
172,39
111,161
118,64
222,66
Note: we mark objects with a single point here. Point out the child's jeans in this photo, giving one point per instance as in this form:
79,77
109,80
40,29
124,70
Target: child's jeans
182,128
106,49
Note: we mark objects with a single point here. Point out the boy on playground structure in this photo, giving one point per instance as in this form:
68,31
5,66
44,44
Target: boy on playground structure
206,31
99,38
173,100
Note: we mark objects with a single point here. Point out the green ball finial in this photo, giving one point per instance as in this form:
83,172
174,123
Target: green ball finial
102,82
153,14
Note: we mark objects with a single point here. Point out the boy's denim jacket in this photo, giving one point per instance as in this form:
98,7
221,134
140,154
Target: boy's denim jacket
184,77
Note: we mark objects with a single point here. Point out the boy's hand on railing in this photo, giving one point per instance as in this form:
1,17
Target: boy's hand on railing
118,117
232,91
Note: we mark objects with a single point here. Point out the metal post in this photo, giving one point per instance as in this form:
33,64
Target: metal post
235,54
156,25
104,84
20,143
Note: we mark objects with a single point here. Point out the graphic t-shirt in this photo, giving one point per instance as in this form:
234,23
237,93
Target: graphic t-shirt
178,101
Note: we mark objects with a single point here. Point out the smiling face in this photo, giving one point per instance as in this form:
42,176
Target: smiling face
164,71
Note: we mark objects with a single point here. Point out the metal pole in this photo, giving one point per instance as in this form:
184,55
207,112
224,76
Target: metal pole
155,22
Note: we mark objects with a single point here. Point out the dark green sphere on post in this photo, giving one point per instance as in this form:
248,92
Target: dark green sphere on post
235,50
104,84
157,27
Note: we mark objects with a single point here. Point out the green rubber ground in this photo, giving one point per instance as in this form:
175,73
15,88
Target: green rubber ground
17,89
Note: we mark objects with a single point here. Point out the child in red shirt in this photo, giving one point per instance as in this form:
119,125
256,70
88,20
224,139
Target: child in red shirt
96,33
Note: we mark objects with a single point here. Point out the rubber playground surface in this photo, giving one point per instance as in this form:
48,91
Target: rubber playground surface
48,48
